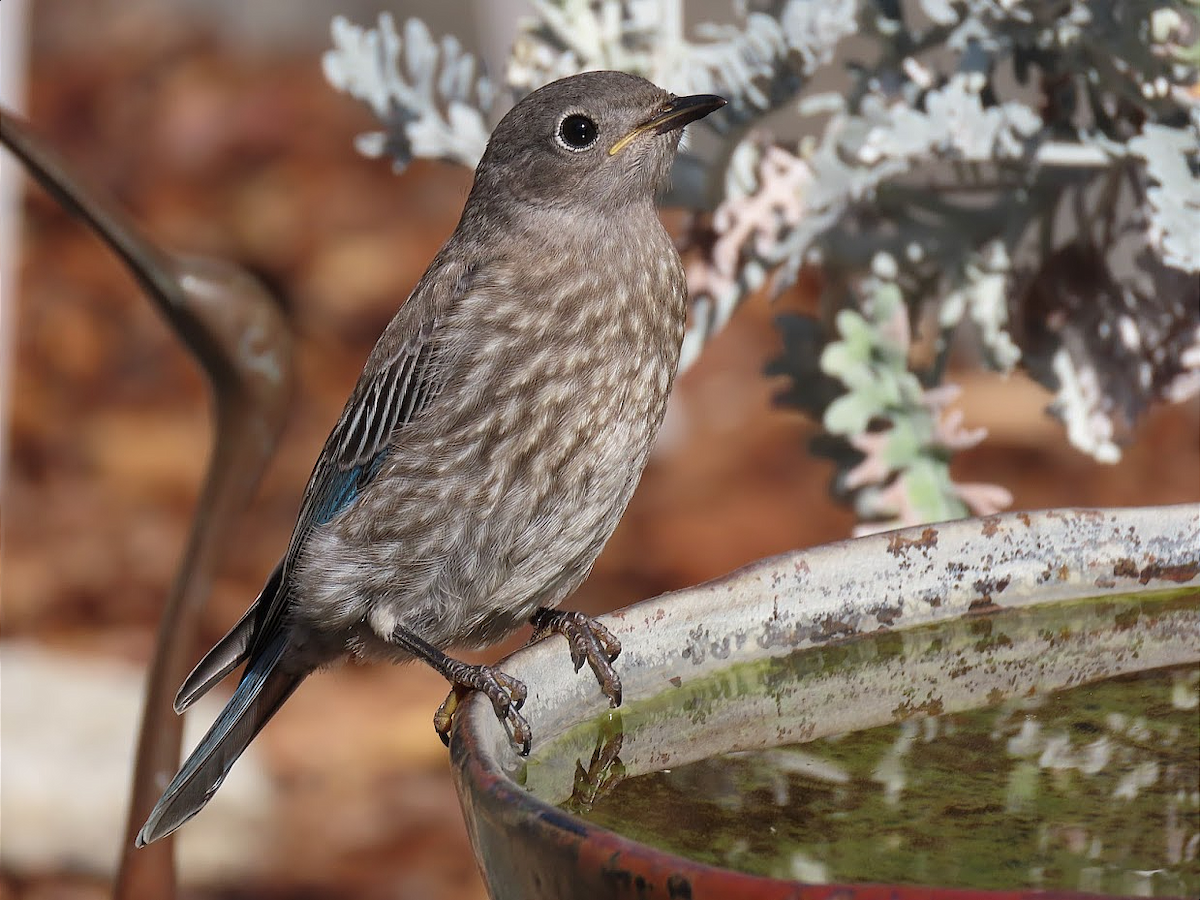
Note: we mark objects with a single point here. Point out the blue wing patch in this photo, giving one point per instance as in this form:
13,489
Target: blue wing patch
344,486
381,403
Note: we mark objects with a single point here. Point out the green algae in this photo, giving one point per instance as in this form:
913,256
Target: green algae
1019,764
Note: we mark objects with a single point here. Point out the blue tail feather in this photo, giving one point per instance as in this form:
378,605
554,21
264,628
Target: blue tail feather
262,690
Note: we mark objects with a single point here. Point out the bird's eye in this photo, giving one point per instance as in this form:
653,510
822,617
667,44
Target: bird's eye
577,132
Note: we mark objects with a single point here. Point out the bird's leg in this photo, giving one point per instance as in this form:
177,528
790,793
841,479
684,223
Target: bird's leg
506,693
589,642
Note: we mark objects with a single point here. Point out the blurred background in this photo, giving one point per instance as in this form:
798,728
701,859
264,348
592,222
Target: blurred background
211,123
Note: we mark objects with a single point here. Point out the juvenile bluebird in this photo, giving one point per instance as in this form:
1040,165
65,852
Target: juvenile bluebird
495,435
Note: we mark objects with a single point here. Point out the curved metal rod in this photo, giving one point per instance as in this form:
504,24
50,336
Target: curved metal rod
240,338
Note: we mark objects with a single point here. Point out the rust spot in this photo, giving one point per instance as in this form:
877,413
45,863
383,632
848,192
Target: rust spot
987,587
802,566
1125,568
1025,520
1179,574
898,545
659,615
906,710
991,525
887,614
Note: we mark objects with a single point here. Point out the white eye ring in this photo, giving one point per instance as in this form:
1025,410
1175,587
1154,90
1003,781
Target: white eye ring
576,132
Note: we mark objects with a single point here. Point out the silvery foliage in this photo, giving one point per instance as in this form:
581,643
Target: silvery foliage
427,94
1023,173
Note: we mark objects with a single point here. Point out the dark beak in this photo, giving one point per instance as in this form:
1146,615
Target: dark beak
678,111
674,114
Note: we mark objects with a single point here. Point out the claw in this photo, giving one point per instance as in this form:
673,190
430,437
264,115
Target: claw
589,642
506,693
443,719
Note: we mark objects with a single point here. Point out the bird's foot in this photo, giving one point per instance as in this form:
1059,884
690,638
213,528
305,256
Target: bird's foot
506,693
589,641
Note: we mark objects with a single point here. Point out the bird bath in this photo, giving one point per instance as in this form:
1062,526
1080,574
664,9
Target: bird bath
981,708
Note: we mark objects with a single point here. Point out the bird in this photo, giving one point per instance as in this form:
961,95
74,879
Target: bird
495,435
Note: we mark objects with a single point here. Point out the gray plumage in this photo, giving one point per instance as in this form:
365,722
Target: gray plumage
499,426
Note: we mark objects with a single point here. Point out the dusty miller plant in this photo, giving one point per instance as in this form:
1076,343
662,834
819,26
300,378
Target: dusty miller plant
1026,174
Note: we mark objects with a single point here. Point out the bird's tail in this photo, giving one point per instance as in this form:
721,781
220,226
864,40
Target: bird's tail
263,689
231,651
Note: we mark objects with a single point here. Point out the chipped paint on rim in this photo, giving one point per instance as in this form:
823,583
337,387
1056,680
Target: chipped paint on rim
897,580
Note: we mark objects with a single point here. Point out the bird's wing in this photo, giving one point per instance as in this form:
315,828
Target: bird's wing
387,396
393,389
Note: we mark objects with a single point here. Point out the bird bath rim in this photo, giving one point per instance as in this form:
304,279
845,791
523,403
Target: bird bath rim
806,598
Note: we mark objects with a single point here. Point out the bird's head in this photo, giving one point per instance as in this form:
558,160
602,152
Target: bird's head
600,140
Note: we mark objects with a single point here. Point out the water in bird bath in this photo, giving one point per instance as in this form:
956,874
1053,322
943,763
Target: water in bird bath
1051,747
